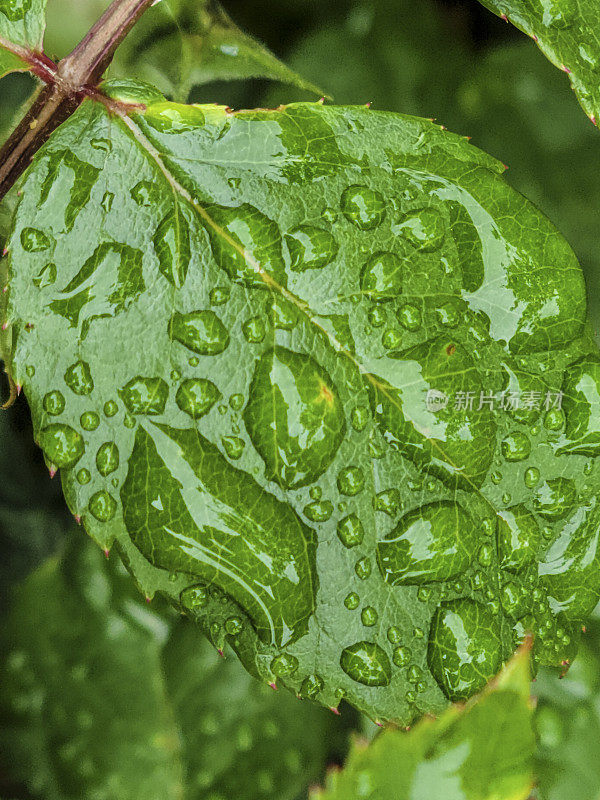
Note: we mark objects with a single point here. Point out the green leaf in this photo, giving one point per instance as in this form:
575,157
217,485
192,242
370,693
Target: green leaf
568,726
21,32
177,45
568,33
84,709
483,751
101,695
228,327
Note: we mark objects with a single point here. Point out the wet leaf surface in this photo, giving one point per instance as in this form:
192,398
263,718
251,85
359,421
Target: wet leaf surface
310,369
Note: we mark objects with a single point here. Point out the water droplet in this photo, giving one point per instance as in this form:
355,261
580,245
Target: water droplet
310,248
251,249
392,339
194,597
352,601
169,117
298,432
129,421
315,492
350,531
381,277
84,476
89,420
366,663
145,395
311,686
284,664
531,477
581,406
394,634
554,419
233,446
107,202
15,10
359,418
431,543
519,538
34,240
200,331
319,511
78,378
414,674
516,447
219,295
511,598
102,506
233,626
110,408
196,396
409,316
450,313
146,193
369,616
46,276
388,502
254,330
363,206
465,648
377,316
282,312
236,401
62,445
554,498
363,568
54,403
423,228
107,458
485,555
351,481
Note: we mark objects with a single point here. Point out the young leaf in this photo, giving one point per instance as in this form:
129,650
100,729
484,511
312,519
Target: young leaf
88,713
21,32
483,751
568,33
272,351
177,44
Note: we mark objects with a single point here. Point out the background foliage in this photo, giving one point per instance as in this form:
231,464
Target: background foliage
492,85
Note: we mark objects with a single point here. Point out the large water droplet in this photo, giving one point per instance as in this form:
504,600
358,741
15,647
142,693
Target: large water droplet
200,331
351,481
381,277
62,445
465,648
78,378
54,403
107,458
554,498
172,246
519,537
424,228
246,244
319,510
366,663
432,543
363,206
350,531
299,430
516,446
34,240
145,395
196,396
581,405
310,247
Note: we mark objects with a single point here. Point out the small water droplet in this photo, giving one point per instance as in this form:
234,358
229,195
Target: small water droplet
351,481
394,634
377,316
107,458
369,616
89,420
319,511
110,408
388,501
34,240
284,664
219,295
424,228
362,568
366,663
145,396
102,506
352,601
78,378
194,597
554,419
392,339
310,247
83,476
311,686
233,446
381,277
54,403
196,396
516,446
350,531
554,498
363,206
62,444
254,330
233,626
199,331
409,316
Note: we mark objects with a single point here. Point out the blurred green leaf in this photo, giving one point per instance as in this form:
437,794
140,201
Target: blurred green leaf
177,44
568,726
568,33
103,696
483,751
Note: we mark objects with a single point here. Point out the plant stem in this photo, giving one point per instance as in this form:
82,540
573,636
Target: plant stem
68,84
